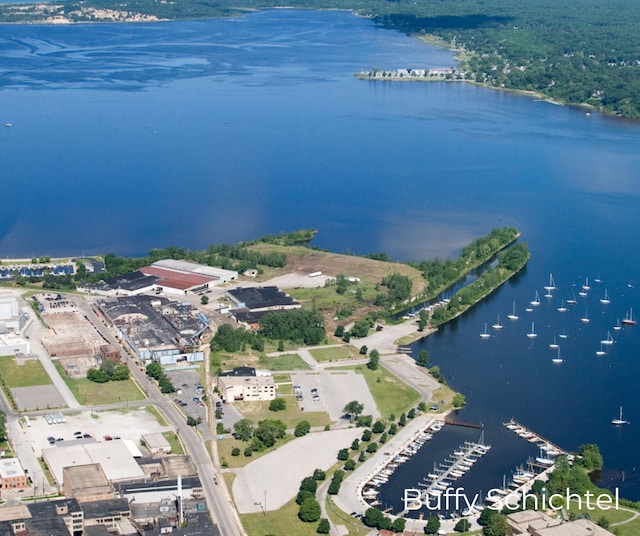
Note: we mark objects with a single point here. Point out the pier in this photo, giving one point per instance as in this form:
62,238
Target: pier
448,420
532,437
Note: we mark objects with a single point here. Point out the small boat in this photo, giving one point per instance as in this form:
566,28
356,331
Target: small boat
532,334
513,315
619,420
557,360
485,335
552,283
628,319
582,293
585,319
536,299
497,325
601,352
563,335
554,344
617,327
562,308
572,301
608,340
586,284
8,125
605,299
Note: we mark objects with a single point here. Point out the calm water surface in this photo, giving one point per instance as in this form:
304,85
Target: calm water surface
128,137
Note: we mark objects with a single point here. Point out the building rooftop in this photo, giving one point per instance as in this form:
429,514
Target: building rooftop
239,371
131,282
177,280
84,480
10,468
107,508
261,298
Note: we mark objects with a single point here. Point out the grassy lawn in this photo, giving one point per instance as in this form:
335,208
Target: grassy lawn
443,393
258,411
225,446
285,389
335,353
101,393
279,522
389,393
338,517
612,515
172,438
282,378
26,375
283,362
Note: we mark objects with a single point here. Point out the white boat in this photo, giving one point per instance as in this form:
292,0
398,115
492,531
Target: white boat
563,335
557,359
554,344
552,283
608,340
585,319
562,308
586,284
601,352
532,334
628,319
513,315
8,125
605,299
618,326
536,299
572,301
582,293
619,420
484,334
597,279
497,325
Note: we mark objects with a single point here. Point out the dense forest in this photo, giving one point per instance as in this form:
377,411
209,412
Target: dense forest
582,52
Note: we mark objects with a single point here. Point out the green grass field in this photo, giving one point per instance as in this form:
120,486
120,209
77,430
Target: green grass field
279,522
334,353
389,393
93,393
283,362
172,438
258,411
28,374
612,515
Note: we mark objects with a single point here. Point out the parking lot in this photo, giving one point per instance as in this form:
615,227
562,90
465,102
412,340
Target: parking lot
330,391
189,392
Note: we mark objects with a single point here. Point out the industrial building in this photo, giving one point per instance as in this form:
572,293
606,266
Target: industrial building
246,388
156,328
12,474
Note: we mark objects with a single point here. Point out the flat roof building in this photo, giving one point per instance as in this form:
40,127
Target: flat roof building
156,443
246,388
260,299
12,474
86,483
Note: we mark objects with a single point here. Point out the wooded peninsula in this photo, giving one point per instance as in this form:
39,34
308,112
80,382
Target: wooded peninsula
579,52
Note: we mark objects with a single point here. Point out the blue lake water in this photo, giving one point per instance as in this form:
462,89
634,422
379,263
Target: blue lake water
128,137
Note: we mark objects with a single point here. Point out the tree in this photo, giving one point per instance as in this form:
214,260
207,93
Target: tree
433,525
373,517
355,444
398,524
589,457
374,360
363,349
309,511
323,526
343,454
303,495
372,447
319,474
458,400
349,465
423,358
302,428
243,429
462,526
309,484
353,409
378,427
204,300
154,370
496,526
268,432
277,404
366,435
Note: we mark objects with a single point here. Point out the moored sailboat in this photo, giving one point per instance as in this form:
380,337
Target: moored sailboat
536,299
513,315
485,334
619,420
532,334
605,299
628,319
558,359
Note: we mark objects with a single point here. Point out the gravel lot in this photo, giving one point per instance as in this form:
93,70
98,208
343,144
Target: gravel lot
129,424
38,397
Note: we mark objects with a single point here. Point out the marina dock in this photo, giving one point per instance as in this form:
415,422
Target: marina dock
525,433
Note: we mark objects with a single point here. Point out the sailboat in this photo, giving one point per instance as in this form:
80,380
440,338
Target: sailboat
597,279
562,308
601,352
552,283
619,420
513,315
484,334
533,333
536,299
608,340
497,325
563,335
558,359
572,301
606,299
617,327
586,284
628,319
585,319
554,344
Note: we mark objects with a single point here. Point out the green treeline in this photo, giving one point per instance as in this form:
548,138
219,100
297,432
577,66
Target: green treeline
442,274
510,261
